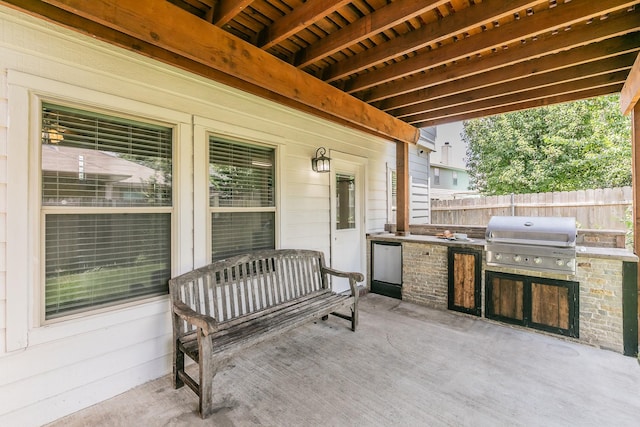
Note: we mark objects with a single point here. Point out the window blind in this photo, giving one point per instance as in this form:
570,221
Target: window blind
240,175
241,232
241,197
93,260
94,160
90,159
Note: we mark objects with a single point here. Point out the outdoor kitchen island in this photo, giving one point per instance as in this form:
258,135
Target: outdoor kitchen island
596,312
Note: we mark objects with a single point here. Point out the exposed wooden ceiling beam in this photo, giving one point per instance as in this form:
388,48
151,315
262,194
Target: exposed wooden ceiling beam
412,87
527,104
457,23
563,15
173,29
631,91
519,97
226,10
300,18
536,73
382,19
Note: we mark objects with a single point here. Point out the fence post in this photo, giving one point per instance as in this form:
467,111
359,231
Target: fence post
513,204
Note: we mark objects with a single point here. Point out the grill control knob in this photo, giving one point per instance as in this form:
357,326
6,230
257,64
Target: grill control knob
498,257
517,258
537,260
560,262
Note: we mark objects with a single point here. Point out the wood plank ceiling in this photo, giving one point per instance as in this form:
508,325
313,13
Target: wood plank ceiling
387,67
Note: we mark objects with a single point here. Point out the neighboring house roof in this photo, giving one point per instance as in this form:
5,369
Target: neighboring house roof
106,166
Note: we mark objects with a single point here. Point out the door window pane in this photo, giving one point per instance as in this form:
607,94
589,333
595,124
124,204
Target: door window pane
345,202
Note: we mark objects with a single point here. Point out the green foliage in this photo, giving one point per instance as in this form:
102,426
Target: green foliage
97,284
565,147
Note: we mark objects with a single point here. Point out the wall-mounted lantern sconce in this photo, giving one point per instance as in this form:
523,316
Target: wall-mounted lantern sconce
320,163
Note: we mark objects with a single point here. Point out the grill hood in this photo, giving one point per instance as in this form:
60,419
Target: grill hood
538,231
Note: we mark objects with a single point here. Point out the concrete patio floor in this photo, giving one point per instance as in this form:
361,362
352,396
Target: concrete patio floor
405,366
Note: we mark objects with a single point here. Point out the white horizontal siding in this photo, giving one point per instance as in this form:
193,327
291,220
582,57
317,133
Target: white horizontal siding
64,371
57,402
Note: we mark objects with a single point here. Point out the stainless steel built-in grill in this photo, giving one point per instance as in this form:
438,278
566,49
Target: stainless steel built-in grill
534,243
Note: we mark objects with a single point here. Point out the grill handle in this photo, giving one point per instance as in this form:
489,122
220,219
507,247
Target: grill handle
532,242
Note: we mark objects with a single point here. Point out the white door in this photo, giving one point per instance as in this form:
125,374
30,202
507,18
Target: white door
347,217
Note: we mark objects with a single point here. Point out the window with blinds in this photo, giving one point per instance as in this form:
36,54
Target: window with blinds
106,203
241,197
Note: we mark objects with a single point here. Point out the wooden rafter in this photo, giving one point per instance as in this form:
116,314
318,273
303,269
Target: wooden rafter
512,97
410,91
561,16
524,105
299,18
426,35
515,84
378,21
225,10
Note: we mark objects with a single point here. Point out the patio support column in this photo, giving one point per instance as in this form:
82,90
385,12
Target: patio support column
402,189
635,159
630,104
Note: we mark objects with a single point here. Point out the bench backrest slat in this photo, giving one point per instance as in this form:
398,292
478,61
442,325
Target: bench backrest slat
245,284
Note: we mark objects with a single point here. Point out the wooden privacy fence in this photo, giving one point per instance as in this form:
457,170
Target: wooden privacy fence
593,209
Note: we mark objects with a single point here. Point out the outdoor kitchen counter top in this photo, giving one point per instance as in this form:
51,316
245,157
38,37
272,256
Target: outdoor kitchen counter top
581,251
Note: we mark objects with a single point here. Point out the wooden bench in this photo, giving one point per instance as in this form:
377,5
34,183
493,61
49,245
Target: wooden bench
234,303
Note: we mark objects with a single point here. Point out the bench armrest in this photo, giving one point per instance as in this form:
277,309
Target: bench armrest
352,276
207,323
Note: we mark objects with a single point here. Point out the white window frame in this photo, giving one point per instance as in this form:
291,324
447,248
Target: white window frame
25,286
203,129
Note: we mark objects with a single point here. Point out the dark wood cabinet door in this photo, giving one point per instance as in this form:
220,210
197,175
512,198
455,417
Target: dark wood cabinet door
546,304
550,305
507,298
464,281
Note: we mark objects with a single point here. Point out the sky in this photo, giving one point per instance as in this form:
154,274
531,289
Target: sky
450,133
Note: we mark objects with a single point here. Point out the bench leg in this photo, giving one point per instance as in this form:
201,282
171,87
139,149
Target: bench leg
207,372
178,366
354,315
354,319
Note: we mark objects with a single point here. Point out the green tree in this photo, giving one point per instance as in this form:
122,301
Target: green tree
564,147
